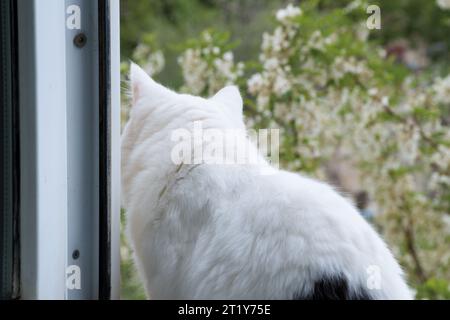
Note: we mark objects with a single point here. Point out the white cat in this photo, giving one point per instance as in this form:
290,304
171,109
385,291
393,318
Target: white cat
228,232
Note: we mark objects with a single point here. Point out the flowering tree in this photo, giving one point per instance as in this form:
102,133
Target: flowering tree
337,95
208,64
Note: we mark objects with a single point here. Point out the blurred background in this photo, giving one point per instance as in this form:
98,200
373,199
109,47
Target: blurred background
362,98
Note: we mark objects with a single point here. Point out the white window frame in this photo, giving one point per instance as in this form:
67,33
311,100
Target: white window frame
70,149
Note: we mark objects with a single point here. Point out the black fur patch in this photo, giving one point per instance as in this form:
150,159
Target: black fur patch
333,288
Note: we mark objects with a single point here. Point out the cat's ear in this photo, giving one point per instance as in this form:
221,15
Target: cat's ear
231,98
144,86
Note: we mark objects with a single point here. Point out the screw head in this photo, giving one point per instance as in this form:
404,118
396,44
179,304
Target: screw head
75,254
80,40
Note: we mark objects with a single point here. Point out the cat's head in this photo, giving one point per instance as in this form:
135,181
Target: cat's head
148,95
156,114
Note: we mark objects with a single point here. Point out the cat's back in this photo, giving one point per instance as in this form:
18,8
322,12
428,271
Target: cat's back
284,227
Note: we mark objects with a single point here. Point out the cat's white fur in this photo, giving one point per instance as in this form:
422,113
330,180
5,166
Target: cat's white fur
228,232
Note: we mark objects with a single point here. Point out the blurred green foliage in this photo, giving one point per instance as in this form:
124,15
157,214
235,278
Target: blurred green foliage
172,22
168,23
434,289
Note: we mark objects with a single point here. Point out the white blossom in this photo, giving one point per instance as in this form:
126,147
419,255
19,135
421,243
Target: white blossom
443,4
442,89
155,64
284,15
199,75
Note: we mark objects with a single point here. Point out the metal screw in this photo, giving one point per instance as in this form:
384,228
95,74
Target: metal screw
75,254
80,40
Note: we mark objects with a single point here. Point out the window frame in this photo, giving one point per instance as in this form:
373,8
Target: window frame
9,162
70,149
